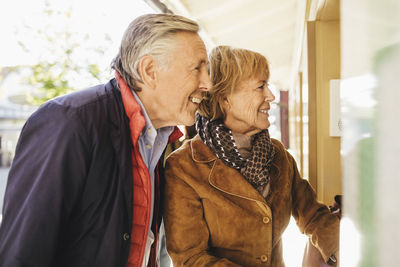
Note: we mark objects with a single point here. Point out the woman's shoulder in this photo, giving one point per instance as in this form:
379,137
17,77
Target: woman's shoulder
281,153
193,149
183,149
279,147
276,143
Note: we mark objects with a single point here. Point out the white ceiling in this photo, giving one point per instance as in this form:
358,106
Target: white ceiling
266,26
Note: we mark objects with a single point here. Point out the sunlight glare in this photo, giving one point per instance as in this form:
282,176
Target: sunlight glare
350,243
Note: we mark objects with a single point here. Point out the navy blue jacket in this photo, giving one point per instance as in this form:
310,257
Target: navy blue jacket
68,200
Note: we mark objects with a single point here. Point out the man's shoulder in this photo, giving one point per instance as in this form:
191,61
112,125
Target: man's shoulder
89,106
96,99
86,96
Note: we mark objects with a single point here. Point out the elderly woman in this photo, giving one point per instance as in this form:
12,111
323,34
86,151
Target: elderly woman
230,191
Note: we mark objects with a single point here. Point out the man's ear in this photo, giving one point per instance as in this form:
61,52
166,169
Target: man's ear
225,103
147,70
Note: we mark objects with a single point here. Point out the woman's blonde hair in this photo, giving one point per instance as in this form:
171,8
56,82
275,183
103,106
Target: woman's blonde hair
228,67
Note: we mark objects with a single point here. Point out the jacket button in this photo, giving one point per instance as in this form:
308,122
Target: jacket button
264,258
126,236
265,220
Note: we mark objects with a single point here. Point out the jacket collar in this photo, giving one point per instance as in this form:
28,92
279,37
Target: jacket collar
132,109
222,177
200,152
135,113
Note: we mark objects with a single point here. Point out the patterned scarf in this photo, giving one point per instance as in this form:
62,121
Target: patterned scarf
256,168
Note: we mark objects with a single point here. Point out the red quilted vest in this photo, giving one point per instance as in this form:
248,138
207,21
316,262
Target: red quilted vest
141,179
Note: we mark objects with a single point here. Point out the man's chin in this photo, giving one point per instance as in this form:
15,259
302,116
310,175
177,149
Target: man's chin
188,124
188,121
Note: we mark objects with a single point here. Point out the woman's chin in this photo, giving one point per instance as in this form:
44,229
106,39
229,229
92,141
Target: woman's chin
265,126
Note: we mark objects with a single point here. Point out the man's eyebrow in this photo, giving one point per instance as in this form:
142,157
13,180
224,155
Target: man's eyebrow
204,61
200,63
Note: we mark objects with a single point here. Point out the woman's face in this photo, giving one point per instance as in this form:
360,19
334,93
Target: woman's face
246,108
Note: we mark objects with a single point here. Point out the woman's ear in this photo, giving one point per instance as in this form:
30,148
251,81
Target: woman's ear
147,71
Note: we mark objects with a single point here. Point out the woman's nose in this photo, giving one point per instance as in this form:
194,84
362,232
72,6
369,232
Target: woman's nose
269,96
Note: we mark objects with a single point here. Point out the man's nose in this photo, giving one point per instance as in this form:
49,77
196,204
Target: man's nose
205,82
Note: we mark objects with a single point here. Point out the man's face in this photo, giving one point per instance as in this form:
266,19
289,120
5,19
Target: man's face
180,85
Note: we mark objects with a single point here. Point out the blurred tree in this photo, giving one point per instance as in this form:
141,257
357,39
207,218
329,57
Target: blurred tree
67,57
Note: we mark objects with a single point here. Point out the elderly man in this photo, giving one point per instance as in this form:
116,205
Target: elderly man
84,187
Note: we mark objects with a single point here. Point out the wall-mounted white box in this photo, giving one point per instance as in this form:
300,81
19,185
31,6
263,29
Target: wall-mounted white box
335,122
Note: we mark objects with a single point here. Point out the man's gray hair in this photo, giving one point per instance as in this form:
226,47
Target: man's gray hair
148,35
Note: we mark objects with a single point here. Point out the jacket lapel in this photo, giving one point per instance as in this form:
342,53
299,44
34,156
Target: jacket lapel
222,177
230,181
121,141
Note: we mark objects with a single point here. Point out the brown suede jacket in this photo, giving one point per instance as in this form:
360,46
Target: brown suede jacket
214,217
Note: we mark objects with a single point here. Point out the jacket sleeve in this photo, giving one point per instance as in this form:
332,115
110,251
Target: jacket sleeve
313,218
43,186
186,231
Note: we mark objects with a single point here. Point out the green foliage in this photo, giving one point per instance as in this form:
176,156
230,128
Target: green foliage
48,84
62,61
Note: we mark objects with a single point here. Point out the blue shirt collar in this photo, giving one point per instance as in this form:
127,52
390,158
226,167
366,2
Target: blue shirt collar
149,126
